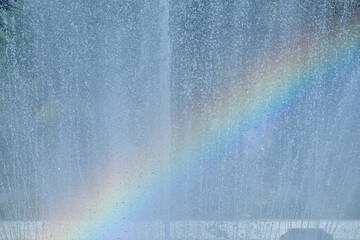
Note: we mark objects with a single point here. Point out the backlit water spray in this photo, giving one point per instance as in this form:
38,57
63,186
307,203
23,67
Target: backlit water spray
179,119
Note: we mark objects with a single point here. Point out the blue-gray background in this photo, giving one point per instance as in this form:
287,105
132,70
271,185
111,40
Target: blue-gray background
80,78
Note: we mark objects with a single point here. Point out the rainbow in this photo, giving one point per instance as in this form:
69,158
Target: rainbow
258,97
